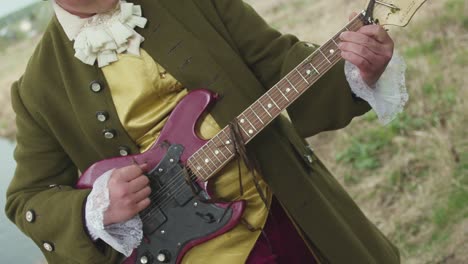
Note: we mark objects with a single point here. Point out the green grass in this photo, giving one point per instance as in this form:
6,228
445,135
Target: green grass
366,150
424,48
363,152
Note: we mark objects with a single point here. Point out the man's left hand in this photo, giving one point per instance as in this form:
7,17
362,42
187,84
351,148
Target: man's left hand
370,49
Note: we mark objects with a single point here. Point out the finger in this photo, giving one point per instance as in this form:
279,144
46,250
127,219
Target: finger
360,62
352,15
144,167
142,194
143,204
360,50
376,32
129,173
364,40
138,183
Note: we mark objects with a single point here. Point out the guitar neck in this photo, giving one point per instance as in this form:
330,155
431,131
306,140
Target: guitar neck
218,151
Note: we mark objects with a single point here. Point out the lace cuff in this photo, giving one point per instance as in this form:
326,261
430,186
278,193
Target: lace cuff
123,237
389,95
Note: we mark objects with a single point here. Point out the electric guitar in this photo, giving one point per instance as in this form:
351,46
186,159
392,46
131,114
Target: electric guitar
178,217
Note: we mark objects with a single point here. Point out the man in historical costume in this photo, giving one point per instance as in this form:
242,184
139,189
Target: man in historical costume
102,83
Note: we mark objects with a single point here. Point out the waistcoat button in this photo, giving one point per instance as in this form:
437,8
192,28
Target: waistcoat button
124,151
109,133
102,116
95,86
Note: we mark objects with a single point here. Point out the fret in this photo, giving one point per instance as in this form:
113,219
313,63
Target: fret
217,150
283,95
253,119
269,105
215,153
324,56
294,87
241,122
302,76
313,67
287,91
227,142
198,167
265,108
259,119
251,131
334,42
206,159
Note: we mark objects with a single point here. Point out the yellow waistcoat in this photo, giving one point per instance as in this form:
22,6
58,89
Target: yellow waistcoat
144,95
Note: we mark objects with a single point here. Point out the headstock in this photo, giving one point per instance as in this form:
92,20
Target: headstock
392,12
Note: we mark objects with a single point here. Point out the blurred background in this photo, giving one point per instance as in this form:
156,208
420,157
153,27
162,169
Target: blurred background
410,177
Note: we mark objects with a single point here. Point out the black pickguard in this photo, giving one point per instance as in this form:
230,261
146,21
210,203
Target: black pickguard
183,217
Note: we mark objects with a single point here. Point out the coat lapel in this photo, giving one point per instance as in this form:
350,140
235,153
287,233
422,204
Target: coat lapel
172,39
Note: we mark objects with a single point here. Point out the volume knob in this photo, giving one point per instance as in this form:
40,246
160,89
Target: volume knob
164,256
144,260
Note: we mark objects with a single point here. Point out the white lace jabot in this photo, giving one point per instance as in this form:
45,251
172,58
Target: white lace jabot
102,36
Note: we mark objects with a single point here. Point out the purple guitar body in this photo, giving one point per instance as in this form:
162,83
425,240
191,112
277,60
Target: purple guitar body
177,219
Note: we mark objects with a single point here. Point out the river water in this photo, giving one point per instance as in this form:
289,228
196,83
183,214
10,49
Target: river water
15,247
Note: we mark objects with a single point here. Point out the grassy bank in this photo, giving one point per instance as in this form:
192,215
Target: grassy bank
411,176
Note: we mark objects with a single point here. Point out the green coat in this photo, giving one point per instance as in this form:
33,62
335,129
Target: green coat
220,44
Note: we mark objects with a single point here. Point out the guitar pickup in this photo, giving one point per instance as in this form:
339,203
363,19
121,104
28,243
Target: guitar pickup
153,220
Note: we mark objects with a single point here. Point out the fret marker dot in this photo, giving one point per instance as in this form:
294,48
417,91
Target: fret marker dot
242,120
332,51
288,90
270,105
308,72
198,168
251,131
207,160
216,152
228,142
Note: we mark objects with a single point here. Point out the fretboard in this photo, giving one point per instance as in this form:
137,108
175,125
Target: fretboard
218,151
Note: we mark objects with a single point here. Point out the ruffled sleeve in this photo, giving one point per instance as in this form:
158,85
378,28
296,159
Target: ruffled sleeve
123,237
389,95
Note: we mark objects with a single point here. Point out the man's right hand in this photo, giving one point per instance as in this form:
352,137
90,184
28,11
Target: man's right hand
128,193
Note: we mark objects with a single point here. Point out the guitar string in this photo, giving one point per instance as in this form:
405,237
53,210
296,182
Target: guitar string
179,181
164,202
250,116
207,145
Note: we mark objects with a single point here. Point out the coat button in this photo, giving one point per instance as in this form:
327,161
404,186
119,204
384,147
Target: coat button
109,133
102,116
48,246
124,151
95,86
30,216
309,158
